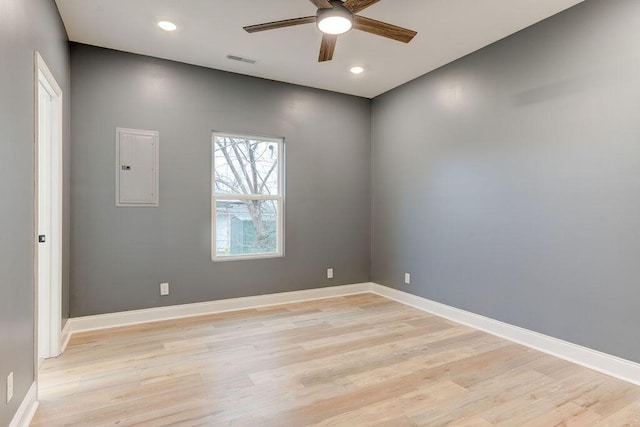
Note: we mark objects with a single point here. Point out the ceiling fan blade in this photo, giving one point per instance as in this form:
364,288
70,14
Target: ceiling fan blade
383,29
327,47
280,24
321,4
356,6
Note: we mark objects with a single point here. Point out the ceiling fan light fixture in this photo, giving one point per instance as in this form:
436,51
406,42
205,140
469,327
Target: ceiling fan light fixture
337,20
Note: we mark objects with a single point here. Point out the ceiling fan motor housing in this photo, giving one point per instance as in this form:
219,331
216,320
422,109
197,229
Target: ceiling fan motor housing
335,20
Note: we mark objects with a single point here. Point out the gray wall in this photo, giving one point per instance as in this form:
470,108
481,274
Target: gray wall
508,182
121,255
27,25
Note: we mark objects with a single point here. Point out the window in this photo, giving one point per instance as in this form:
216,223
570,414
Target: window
247,197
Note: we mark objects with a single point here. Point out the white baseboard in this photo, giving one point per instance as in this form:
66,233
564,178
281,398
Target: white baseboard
126,318
27,408
592,359
65,336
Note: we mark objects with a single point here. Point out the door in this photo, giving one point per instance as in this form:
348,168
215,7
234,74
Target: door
137,168
49,212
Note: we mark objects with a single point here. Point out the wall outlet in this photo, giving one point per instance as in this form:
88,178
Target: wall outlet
407,278
10,387
164,289
329,273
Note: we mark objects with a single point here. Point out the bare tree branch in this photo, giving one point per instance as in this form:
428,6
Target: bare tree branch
254,172
229,184
233,168
242,167
264,180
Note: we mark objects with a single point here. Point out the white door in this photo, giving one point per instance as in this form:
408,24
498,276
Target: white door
44,219
49,212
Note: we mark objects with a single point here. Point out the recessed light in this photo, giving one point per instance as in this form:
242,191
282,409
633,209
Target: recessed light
167,26
357,70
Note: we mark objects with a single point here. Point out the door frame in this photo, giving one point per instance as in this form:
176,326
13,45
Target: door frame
43,74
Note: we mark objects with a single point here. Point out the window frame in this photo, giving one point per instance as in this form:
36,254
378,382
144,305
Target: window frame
279,141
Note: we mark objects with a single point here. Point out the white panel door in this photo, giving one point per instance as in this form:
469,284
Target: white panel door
44,220
48,241
137,168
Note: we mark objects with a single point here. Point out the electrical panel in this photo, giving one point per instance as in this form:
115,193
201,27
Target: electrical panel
137,168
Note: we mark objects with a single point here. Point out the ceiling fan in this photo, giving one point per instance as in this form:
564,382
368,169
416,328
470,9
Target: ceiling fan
335,17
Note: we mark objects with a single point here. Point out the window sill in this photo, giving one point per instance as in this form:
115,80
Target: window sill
246,257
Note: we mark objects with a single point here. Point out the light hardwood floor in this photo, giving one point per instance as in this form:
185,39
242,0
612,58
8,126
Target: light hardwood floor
350,361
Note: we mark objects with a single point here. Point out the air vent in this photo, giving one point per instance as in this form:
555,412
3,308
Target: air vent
241,59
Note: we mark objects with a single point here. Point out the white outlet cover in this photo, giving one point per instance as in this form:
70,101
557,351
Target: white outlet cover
164,289
329,273
407,278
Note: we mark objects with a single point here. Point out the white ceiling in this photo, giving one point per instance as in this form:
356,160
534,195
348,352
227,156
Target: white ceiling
209,30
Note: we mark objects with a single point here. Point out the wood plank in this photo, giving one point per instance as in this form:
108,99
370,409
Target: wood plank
353,360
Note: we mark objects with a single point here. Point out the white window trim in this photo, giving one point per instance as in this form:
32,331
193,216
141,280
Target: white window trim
279,198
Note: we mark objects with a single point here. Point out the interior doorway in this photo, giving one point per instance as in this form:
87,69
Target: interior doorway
48,123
